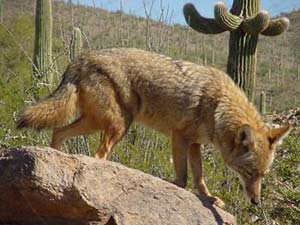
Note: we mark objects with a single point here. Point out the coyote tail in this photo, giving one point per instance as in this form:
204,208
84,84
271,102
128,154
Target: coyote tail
58,109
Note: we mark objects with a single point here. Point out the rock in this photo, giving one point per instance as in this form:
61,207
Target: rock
291,116
41,186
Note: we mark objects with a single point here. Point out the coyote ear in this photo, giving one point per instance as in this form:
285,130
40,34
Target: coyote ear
276,135
244,136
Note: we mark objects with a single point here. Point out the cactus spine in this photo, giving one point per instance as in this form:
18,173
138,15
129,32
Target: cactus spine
245,21
76,43
43,42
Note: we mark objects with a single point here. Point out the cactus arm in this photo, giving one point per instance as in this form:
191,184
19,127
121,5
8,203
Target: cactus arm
256,24
277,26
245,21
225,19
200,23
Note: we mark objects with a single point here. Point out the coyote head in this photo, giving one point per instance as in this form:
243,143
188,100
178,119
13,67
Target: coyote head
252,157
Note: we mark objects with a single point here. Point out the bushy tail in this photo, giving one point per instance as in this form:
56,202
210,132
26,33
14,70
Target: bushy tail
58,109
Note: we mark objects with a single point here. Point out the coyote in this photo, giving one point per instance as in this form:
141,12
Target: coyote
110,89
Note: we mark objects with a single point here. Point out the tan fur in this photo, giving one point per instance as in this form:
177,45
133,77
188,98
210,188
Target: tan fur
57,110
192,104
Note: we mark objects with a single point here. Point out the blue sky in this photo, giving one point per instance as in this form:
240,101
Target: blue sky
274,7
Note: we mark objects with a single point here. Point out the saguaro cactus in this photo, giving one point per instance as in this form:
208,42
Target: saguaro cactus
76,43
245,21
262,102
1,11
77,145
43,41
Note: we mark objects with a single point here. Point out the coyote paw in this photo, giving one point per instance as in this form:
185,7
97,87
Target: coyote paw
179,183
216,201
213,200
100,156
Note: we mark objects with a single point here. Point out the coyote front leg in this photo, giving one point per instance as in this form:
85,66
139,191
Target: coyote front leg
179,152
195,160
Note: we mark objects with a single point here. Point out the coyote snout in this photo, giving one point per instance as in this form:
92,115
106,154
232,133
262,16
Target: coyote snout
252,189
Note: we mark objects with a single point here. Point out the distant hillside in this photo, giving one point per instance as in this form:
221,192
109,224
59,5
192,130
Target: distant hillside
278,57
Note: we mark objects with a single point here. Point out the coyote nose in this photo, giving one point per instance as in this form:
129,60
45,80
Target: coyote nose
254,201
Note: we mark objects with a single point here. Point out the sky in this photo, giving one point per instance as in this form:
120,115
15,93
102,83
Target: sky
205,7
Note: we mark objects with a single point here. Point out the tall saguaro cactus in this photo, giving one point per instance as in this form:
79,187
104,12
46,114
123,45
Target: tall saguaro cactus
245,21
1,11
43,41
262,102
76,43
77,145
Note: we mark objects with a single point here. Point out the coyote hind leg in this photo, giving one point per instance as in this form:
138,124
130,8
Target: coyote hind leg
112,135
79,127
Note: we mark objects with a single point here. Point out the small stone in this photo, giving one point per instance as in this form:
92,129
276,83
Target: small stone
254,218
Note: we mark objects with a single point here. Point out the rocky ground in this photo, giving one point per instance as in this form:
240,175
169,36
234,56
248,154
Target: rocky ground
45,186
291,116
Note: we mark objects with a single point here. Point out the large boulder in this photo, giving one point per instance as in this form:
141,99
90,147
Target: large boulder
41,186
